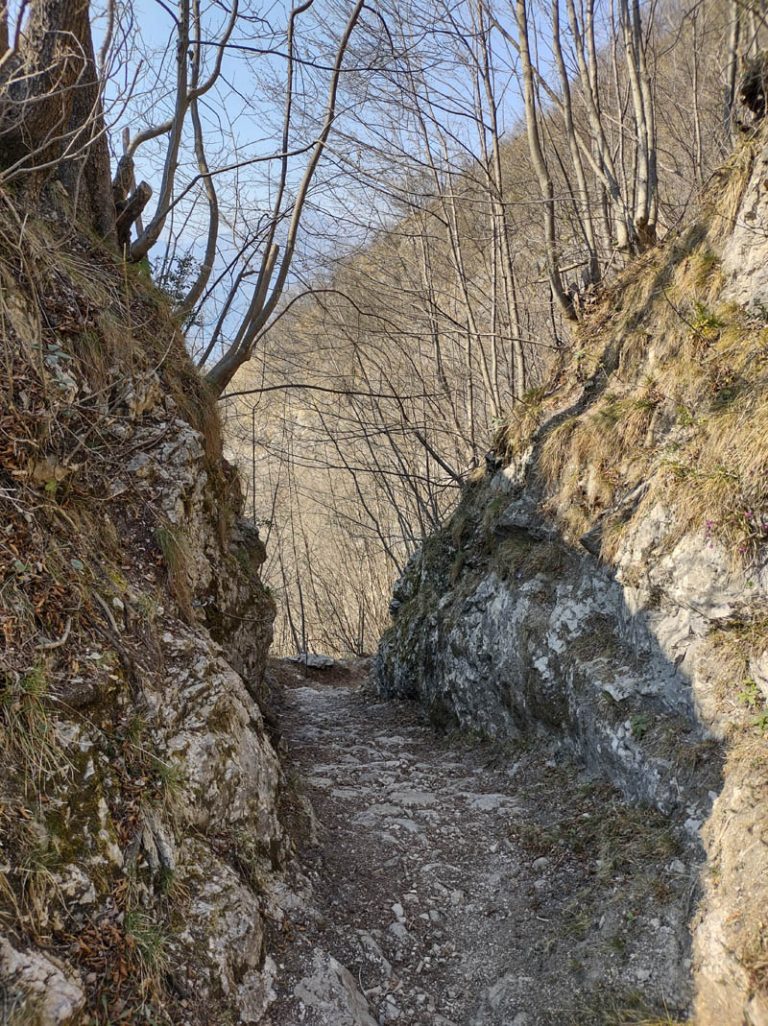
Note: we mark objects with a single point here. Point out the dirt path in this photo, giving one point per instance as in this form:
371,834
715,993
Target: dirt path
459,884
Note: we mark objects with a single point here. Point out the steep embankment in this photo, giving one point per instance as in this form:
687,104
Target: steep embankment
139,830
605,582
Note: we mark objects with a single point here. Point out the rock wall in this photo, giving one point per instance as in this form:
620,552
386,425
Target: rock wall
141,849
605,581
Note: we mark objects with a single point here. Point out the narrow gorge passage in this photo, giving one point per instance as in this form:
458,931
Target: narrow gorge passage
463,884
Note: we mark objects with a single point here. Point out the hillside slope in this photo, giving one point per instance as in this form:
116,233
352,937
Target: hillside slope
139,828
605,582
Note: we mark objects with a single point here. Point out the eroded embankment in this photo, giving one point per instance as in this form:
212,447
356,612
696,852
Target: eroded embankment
139,826
603,585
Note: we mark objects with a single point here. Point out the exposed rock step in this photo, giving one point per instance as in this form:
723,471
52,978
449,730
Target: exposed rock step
459,884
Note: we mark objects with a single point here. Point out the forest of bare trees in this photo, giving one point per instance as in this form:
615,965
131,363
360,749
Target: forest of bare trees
514,156
378,223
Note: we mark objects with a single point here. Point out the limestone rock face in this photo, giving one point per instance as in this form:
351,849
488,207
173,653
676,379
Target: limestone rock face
39,988
331,992
614,662
509,622
562,646
222,943
150,814
745,251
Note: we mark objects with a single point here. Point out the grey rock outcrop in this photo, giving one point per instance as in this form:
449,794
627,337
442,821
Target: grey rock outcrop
331,992
142,853
38,988
609,637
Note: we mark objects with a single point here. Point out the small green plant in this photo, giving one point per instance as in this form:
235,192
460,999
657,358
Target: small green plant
170,886
176,281
646,403
685,416
750,695
148,942
640,724
170,781
136,730
170,775
147,606
649,398
26,732
761,722
618,943
705,324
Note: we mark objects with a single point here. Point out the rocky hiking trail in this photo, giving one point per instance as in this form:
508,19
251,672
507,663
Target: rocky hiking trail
455,882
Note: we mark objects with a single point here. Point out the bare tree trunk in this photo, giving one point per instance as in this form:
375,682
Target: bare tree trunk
645,133
267,295
51,116
732,67
698,144
87,176
604,165
196,289
582,200
39,81
4,42
501,230
540,166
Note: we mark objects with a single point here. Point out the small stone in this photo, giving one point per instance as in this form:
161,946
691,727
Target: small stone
399,932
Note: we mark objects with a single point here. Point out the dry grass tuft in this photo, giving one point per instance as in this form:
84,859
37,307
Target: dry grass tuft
515,435
174,547
686,407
